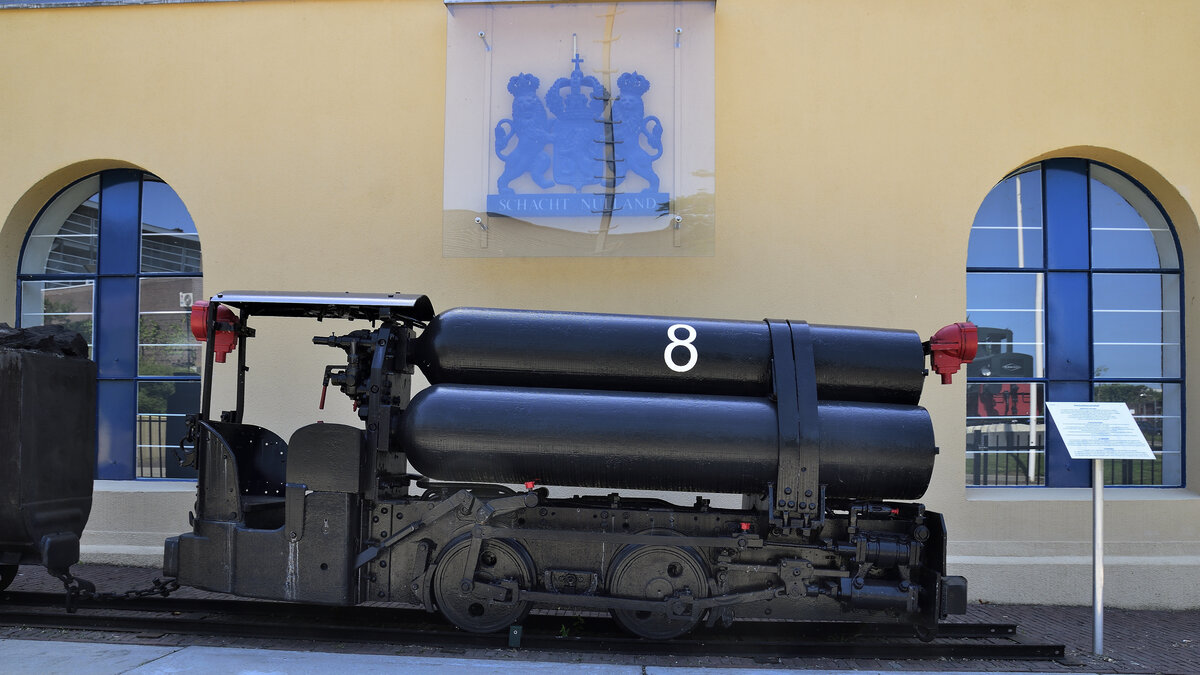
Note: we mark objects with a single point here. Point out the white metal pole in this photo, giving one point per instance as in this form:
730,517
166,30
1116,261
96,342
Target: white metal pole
1098,557
1020,228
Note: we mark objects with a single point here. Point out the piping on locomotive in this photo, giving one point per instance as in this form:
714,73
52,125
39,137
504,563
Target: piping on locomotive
817,427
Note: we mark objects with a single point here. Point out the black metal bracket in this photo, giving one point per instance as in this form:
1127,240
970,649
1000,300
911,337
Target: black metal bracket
460,501
293,505
465,505
797,498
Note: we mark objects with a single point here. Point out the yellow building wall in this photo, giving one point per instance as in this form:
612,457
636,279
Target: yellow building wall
855,141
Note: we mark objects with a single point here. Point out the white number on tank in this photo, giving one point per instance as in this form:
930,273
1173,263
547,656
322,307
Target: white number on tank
678,342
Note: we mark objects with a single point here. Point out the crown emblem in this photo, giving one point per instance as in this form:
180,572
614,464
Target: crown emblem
567,100
633,84
572,136
524,84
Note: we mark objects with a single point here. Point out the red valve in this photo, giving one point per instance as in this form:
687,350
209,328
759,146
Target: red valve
530,484
745,527
226,338
951,347
199,317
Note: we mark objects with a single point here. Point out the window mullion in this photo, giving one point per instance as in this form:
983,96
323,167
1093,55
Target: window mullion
1068,307
1066,217
115,349
120,203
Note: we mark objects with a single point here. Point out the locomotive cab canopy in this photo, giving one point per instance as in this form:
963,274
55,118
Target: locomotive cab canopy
213,322
369,306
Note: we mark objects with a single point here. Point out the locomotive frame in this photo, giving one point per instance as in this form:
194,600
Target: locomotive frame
333,515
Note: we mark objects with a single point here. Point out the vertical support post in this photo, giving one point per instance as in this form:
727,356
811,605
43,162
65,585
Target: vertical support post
241,366
1098,557
210,341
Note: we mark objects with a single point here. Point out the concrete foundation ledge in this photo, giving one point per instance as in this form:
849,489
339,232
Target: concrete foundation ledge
130,520
126,556
1130,582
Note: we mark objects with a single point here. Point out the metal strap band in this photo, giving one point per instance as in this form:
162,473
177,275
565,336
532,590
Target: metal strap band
797,491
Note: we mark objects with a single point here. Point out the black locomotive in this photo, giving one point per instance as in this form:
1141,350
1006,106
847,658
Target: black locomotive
816,426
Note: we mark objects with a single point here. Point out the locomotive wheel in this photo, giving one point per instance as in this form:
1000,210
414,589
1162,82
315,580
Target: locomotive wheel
7,574
656,572
477,613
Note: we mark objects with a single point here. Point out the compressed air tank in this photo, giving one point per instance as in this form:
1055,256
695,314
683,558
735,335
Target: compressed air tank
657,441
615,352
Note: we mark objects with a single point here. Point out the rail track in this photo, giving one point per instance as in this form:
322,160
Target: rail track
547,632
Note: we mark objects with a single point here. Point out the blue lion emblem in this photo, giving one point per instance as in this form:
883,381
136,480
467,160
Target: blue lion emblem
631,125
531,128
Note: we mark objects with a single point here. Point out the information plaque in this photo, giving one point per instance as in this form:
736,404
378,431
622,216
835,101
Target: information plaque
1099,431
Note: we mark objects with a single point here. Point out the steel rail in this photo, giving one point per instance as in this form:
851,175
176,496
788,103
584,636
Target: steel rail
540,632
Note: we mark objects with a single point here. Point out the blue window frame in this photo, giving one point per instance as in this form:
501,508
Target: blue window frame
116,257
1074,277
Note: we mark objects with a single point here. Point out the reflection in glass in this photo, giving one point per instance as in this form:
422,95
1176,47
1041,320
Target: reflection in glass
1135,330
58,303
1128,229
169,239
1005,434
1008,309
162,409
64,239
1156,408
60,282
165,342
1135,325
1007,231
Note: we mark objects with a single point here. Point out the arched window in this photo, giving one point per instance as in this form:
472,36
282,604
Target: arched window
1074,278
116,257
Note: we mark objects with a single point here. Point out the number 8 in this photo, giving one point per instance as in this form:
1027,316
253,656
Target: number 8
686,343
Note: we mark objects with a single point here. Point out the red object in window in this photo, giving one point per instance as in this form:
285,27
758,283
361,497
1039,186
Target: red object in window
951,347
226,338
1000,399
